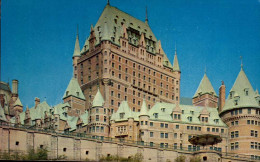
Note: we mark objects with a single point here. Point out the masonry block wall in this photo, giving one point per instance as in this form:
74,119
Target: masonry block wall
75,148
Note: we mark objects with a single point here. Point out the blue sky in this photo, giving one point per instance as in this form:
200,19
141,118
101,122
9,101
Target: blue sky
38,36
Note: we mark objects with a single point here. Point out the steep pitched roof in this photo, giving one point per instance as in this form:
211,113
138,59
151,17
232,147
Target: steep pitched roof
205,87
18,102
123,108
164,111
60,110
176,66
144,111
77,47
241,94
98,100
74,89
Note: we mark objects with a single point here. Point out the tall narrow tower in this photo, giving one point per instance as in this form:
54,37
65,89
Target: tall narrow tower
76,55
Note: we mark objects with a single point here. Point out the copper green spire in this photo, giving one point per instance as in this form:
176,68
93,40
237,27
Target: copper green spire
205,87
98,100
176,66
241,94
144,111
77,48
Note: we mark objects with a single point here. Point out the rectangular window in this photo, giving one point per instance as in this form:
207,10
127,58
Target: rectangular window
97,117
162,125
166,125
232,135
166,135
249,111
177,126
151,134
236,145
162,135
236,134
175,135
151,124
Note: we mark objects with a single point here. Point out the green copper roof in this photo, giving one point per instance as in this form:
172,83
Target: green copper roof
144,111
241,94
72,122
2,114
163,112
18,102
84,118
60,110
74,89
204,87
176,66
124,113
77,47
36,112
98,100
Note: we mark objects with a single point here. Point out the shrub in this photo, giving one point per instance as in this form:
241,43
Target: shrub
180,158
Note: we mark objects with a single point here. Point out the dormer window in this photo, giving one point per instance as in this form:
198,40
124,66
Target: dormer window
67,93
236,102
190,118
163,109
122,115
246,91
192,112
216,121
230,95
155,115
77,94
115,21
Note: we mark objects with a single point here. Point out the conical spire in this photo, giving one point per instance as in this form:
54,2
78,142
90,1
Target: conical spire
144,111
77,47
98,100
241,94
176,66
205,87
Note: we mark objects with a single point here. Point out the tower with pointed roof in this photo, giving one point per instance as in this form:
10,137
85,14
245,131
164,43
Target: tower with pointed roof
123,58
205,95
76,56
177,71
75,98
143,122
241,113
98,124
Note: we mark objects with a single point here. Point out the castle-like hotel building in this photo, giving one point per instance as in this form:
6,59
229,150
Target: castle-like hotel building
125,87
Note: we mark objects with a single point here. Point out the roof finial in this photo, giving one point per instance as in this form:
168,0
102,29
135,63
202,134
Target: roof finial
175,49
77,30
241,62
108,2
146,15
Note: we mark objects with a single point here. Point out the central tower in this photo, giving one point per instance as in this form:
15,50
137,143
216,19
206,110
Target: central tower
124,60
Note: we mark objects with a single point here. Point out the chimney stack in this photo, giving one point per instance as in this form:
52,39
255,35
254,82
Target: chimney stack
222,96
15,86
37,101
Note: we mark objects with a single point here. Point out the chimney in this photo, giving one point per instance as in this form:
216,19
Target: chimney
222,96
15,86
37,101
